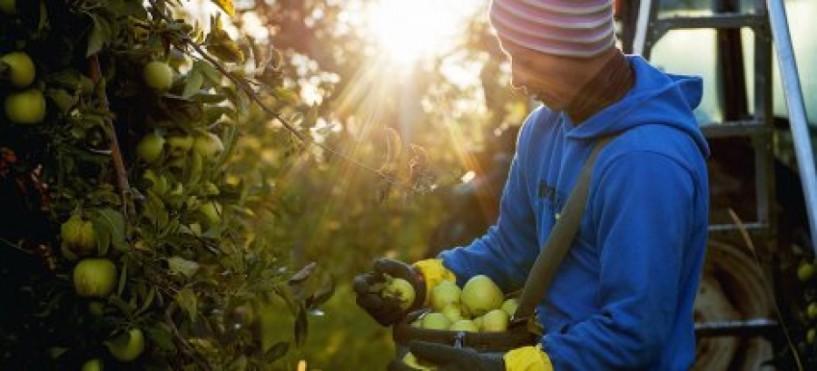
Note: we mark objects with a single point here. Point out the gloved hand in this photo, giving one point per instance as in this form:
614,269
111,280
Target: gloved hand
448,358
386,309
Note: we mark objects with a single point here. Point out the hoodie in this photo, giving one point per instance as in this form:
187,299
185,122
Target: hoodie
623,296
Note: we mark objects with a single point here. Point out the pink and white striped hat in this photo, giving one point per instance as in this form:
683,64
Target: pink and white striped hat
572,28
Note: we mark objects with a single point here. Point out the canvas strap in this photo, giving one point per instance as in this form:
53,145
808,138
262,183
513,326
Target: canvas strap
558,243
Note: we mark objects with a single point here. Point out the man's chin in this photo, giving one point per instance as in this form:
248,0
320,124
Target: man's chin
548,101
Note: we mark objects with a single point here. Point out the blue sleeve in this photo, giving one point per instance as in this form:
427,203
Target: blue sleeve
641,209
508,249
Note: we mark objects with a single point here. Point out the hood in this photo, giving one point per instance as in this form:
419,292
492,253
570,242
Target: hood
656,98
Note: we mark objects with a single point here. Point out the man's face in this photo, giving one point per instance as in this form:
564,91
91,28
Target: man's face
547,78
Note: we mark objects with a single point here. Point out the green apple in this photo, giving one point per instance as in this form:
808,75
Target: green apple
179,144
452,312
150,148
400,290
8,6
21,68
158,182
208,145
509,306
464,325
481,295
805,271
96,308
211,210
127,346
78,235
435,321
94,364
94,277
478,322
25,107
158,75
445,293
811,311
495,320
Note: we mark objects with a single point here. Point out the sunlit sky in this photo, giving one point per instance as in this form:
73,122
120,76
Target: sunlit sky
411,29
401,32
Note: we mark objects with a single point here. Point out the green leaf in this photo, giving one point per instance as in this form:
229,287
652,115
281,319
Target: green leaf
182,266
120,341
112,224
100,35
303,274
127,7
161,337
67,78
321,296
243,102
276,351
64,100
187,300
148,299
211,98
226,5
155,211
194,169
103,234
214,113
123,279
194,82
56,352
43,23
240,364
211,73
121,305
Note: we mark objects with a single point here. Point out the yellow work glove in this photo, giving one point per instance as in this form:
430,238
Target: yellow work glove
530,358
433,272
447,358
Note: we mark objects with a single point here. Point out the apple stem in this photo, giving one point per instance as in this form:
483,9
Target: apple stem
116,152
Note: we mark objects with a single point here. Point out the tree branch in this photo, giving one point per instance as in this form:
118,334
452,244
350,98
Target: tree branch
244,86
116,153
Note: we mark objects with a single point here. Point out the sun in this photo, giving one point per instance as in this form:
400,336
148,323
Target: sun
408,30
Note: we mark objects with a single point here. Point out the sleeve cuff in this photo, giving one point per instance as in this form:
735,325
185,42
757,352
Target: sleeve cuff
434,272
530,358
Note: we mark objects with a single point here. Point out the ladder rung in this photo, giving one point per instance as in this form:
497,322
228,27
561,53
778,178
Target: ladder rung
729,228
722,21
734,129
750,327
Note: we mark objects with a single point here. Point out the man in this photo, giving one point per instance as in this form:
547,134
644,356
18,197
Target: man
623,296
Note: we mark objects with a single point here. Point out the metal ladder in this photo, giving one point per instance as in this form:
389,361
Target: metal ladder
642,28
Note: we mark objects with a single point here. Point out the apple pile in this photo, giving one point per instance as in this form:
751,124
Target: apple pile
479,306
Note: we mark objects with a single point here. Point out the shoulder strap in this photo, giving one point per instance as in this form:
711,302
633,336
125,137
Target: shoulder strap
559,241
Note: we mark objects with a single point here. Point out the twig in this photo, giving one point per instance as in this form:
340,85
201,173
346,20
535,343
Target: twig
244,86
169,321
751,246
18,247
116,153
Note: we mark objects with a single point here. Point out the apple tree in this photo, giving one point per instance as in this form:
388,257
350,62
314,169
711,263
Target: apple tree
129,236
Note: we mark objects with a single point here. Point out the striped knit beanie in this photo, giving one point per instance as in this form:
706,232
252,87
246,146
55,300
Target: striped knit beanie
572,28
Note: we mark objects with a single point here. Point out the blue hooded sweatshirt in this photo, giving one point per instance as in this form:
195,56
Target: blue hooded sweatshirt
623,296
